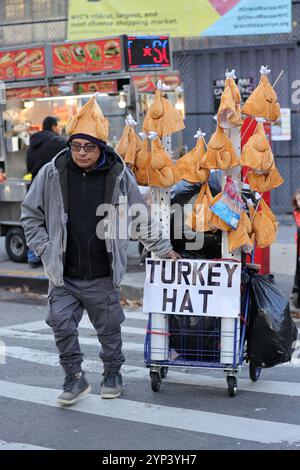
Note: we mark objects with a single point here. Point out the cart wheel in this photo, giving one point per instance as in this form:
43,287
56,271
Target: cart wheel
232,385
155,381
254,372
15,245
163,372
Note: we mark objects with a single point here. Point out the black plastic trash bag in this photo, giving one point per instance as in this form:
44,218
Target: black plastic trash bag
195,338
271,329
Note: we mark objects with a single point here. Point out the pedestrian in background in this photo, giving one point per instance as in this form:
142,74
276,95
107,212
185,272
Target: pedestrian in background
296,214
43,146
59,218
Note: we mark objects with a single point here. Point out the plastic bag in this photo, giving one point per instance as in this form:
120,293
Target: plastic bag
271,329
230,206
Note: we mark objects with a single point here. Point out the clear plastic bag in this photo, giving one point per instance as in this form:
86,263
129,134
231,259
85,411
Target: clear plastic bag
230,206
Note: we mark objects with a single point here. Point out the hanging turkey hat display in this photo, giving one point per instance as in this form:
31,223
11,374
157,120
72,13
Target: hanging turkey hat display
257,152
129,144
241,237
162,117
263,100
229,113
154,167
200,218
189,166
264,225
264,182
89,121
220,153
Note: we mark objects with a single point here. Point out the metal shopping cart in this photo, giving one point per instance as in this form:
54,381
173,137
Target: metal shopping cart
200,341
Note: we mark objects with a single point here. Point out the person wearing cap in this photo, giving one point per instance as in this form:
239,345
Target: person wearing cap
60,216
43,146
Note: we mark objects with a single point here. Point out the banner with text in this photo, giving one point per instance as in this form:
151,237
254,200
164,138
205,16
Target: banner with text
193,287
89,19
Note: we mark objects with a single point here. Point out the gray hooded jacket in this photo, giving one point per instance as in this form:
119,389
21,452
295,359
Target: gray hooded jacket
44,215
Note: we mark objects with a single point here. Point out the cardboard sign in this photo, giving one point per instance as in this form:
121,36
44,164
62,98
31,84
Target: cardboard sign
193,287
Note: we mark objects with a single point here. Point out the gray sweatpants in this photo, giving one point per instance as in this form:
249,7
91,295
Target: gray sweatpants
101,300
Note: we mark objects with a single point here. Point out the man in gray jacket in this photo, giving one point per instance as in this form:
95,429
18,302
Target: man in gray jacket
64,223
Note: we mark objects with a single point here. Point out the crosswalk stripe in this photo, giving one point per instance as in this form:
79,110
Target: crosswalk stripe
19,446
85,322
10,333
136,372
249,429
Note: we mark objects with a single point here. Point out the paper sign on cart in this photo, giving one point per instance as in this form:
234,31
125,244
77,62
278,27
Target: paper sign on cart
193,287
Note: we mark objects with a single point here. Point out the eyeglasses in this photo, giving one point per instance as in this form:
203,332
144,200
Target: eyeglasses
76,147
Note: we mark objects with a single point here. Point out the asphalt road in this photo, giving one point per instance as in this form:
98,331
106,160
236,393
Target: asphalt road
192,411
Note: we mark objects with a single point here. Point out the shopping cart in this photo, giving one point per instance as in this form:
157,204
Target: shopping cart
195,341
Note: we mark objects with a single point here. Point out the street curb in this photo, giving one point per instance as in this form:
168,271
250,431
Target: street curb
131,292
39,285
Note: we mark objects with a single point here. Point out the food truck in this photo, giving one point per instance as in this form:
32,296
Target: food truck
57,79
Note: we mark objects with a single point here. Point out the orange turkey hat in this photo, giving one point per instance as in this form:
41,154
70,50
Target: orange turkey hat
129,144
263,100
162,117
229,113
89,121
257,152
220,153
189,166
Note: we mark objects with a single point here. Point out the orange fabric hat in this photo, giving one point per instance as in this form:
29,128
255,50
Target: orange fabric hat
263,100
264,225
229,113
141,164
264,182
129,144
155,168
162,117
200,218
220,153
89,121
239,239
189,166
122,145
257,152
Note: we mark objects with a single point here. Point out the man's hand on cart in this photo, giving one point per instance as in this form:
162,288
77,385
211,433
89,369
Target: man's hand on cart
172,255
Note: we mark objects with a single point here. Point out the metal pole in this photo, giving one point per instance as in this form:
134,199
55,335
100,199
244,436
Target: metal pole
161,200
229,325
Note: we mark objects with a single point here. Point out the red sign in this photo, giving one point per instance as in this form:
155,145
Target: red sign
7,70
21,64
148,82
80,57
26,93
105,86
262,255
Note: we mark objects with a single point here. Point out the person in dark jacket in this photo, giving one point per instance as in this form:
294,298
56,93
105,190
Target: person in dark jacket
62,217
43,146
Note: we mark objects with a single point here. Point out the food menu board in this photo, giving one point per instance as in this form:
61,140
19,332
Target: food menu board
147,83
87,56
105,86
27,93
22,64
